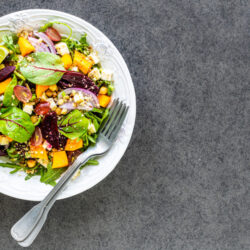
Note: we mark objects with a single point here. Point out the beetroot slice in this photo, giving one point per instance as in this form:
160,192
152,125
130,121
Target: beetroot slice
6,72
73,79
50,131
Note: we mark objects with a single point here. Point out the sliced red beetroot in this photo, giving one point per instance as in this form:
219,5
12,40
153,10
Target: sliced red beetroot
50,131
22,93
6,72
37,137
73,79
42,108
53,34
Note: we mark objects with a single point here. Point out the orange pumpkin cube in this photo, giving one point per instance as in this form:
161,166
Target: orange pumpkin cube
4,84
25,46
60,159
74,144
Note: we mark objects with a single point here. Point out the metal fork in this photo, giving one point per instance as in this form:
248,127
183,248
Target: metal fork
28,227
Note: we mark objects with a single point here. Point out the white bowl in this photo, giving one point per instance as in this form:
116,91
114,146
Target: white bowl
14,184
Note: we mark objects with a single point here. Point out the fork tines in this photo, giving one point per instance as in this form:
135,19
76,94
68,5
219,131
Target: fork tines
117,114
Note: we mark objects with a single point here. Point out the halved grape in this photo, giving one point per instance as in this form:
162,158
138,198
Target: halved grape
53,34
22,93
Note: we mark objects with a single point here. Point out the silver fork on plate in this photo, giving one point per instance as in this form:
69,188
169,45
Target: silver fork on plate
28,227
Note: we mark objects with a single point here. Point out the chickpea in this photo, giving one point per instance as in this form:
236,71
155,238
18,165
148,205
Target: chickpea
58,111
31,163
34,118
49,93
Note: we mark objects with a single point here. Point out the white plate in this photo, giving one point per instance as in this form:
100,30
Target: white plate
14,184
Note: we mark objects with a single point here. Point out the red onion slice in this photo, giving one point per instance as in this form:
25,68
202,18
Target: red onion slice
40,47
46,39
90,104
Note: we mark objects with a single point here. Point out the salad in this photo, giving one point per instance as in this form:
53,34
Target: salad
54,96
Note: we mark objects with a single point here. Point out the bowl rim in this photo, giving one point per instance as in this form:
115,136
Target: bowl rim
131,86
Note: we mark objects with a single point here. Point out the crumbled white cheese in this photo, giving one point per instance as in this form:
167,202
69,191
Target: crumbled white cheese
47,145
28,108
1,98
60,102
94,57
52,103
78,97
75,68
43,162
94,74
62,48
91,128
107,75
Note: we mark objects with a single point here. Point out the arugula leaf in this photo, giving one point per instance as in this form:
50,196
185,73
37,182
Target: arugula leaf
45,68
16,124
51,175
9,165
73,125
8,99
90,162
81,45
10,41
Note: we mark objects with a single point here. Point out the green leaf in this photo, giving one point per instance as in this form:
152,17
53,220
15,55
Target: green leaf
81,45
9,165
50,24
45,26
51,175
73,125
90,162
10,41
44,69
8,99
16,124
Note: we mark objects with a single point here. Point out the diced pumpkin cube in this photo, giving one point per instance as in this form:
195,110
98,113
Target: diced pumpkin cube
4,84
25,46
67,61
104,100
60,159
82,62
40,89
38,152
73,145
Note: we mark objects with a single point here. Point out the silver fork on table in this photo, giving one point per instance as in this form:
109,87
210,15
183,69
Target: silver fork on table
28,227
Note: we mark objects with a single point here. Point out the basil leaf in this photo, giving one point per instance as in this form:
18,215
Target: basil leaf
8,99
16,124
44,69
51,175
73,125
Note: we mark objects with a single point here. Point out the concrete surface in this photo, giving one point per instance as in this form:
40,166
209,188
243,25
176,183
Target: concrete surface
184,180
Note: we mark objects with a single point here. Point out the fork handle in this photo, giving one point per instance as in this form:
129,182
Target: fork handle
31,223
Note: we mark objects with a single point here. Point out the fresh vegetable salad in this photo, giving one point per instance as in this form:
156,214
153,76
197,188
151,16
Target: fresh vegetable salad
53,97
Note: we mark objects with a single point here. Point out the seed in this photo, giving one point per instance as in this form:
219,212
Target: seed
64,111
60,102
58,111
49,93
31,163
34,118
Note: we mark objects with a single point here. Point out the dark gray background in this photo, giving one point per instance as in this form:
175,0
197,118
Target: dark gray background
184,180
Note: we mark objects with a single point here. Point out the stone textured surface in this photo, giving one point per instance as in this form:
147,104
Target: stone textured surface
184,180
